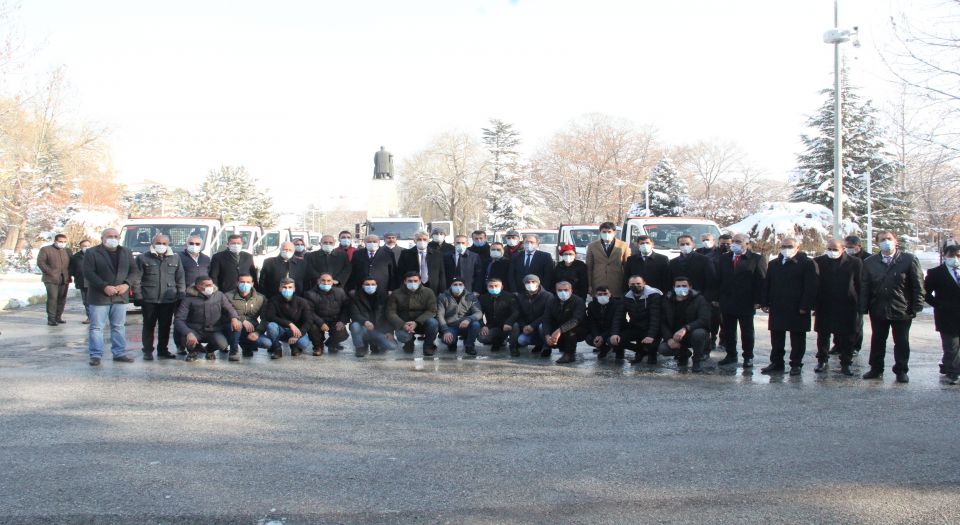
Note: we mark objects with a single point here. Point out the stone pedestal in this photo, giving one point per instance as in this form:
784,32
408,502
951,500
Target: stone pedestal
383,200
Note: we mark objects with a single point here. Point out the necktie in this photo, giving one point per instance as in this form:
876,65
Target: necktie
456,261
736,259
424,274
529,256
956,275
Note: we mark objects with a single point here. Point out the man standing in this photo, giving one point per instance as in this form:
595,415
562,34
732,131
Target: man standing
370,328
528,327
531,261
512,244
157,292
698,269
838,299
741,277
331,306
76,273
248,305
606,258
641,326
685,324
390,243
54,263
374,262
853,247
194,262
652,266
481,248
710,250
228,265
942,287
459,316
438,241
789,295
412,309
564,324
287,318
499,315
346,244
108,271
464,265
426,262
604,319
892,293
203,316
283,266
328,260
299,248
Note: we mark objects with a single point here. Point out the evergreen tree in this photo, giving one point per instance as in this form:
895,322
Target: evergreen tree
231,194
864,150
669,193
149,201
511,201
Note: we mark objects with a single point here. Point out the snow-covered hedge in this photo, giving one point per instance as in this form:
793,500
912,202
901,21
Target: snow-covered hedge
811,224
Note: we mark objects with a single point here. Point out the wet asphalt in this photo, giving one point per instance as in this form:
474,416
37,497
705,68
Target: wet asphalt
395,439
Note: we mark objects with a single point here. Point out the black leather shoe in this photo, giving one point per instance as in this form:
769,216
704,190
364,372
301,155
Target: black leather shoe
902,377
697,367
123,359
821,366
566,358
148,356
51,323
276,355
603,353
845,370
873,373
729,360
165,355
772,369
547,351
747,363
469,350
794,370
94,361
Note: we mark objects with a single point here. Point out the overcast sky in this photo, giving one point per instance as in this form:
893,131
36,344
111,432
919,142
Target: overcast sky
303,93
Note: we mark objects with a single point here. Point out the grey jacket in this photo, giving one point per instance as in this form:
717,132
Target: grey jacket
99,272
161,278
198,313
451,311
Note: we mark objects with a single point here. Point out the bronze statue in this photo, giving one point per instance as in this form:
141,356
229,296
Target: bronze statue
382,165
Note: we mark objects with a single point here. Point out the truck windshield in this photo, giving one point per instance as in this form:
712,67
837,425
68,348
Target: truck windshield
665,235
244,235
581,238
137,237
405,230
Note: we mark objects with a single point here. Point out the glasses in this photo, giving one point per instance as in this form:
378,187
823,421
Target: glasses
160,243
194,243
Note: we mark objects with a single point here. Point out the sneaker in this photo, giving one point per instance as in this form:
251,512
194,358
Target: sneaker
94,361
902,377
821,367
747,363
234,356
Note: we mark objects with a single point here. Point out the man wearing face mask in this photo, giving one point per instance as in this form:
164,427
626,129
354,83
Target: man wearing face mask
652,266
160,287
464,265
287,318
76,273
390,243
942,286
723,245
202,318
606,258
331,306
571,270
283,266
852,246
370,329
711,250
512,244
684,324
480,247
741,279
498,267
438,241
248,305
109,270
604,321
346,244
838,298
500,313
54,263
459,316
299,248
641,326
892,293
228,265
702,274
530,261
528,328
412,310
426,262
374,261
328,260
789,295
564,323
195,263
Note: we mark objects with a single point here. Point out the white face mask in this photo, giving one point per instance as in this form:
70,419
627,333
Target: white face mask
603,299
299,248
681,291
569,258
788,253
160,248
530,247
439,239
646,249
606,236
60,245
372,246
563,296
192,248
531,287
84,249
422,245
286,254
496,254
111,243
456,290
513,242
707,244
686,249
461,248
208,291
234,248
952,262
327,248
413,286
850,251
345,242
833,254
887,245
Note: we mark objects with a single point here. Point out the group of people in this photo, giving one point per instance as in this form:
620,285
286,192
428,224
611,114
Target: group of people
513,296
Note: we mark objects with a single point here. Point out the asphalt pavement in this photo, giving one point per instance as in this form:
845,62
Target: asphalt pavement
399,439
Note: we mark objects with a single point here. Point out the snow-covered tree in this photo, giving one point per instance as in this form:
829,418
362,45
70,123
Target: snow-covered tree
669,193
150,200
231,194
511,199
864,150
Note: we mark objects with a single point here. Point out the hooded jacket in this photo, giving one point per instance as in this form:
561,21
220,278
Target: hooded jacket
643,313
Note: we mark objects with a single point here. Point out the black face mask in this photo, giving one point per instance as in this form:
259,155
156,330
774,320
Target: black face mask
724,248
637,289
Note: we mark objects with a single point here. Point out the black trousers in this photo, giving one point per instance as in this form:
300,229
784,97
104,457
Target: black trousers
630,340
901,343
693,344
56,300
332,338
568,342
747,334
951,353
495,337
844,345
715,324
857,336
778,342
159,317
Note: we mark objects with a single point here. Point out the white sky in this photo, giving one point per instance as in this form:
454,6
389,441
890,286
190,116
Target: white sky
303,93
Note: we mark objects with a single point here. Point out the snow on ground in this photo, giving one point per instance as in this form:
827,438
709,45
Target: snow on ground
16,289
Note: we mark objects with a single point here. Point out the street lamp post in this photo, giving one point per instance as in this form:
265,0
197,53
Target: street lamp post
868,178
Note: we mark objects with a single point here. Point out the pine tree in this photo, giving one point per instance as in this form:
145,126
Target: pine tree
511,201
669,193
864,150
149,201
230,193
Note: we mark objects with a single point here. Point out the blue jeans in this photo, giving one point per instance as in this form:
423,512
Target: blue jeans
518,338
429,329
276,335
238,339
362,337
469,338
116,314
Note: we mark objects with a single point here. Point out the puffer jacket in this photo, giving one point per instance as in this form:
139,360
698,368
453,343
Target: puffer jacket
332,306
453,311
499,310
278,310
532,308
248,308
692,314
404,305
895,291
198,313
161,278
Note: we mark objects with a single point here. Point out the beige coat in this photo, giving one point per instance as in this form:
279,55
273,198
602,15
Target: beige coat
604,270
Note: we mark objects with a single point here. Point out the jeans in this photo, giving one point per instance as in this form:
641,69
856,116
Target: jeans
277,335
778,342
429,329
730,324
363,337
100,314
518,338
238,339
56,300
901,343
155,314
951,353
469,333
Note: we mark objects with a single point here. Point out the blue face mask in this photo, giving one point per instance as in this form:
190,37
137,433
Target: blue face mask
286,293
886,245
494,291
681,291
563,296
370,289
479,244
456,290
413,286
326,287
244,287
736,249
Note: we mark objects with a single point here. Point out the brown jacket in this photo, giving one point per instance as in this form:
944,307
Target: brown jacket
604,270
55,264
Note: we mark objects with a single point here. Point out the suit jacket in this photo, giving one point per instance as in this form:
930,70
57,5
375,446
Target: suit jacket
55,264
789,288
943,294
607,270
275,269
655,270
335,263
700,270
99,272
741,288
470,270
383,268
541,265
838,295
225,270
410,262
499,269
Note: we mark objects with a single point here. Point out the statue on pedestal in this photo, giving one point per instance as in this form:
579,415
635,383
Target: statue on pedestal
382,165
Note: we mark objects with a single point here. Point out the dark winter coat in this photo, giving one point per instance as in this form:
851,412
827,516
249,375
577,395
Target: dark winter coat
335,263
410,262
532,308
499,310
275,269
692,314
445,248
483,252
194,268
297,311
895,291
541,265
643,313
76,270
575,274
655,270
699,269
499,269
161,278
788,289
248,308
604,320
99,272
383,269
226,269
570,317
741,288
365,307
199,314
404,306
943,294
838,294
54,264
330,307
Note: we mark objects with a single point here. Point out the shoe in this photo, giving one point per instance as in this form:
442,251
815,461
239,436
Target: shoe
276,355
148,356
794,370
953,379
603,353
223,350
211,356
94,361
165,355
619,355
873,373
452,348
332,349
821,367
408,346
547,351
565,358
902,377
360,352
123,359
499,348
181,351
85,321
191,357
514,352
729,360
295,351
469,350
338,347
747,363
61,321
428,351
772,369
234,356
318,351
697,367
51,323
247,353
845,370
